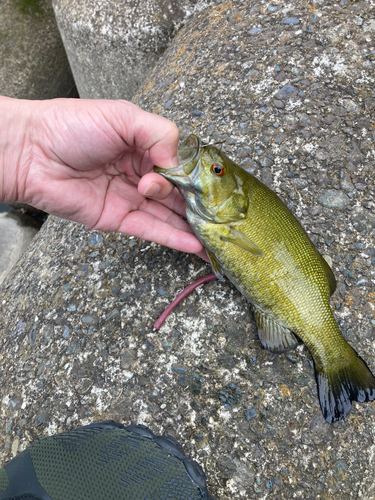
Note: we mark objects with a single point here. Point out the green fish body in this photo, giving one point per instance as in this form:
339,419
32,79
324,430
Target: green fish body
254,239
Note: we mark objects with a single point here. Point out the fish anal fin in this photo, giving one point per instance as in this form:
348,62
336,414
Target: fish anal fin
216,267
274,337
329,274
242,241
339,385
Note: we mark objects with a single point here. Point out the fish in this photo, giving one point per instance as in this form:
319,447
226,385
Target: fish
254,240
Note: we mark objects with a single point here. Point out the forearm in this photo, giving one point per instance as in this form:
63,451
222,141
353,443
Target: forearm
15,145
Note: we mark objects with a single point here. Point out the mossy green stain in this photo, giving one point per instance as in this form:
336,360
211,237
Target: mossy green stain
30,7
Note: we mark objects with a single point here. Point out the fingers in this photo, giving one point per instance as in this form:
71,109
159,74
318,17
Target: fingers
153,133
155,186
145,226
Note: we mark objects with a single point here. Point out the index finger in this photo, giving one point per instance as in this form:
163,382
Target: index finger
156,135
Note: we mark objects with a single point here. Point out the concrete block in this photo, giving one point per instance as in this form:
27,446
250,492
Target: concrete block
112,45
15,237
33,60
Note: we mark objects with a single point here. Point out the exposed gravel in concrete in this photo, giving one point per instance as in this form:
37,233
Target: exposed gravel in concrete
295,104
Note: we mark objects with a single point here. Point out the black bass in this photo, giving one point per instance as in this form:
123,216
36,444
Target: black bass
253,238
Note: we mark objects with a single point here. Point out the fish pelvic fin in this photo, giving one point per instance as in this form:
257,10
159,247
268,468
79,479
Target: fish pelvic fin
274,337
339,386
216,267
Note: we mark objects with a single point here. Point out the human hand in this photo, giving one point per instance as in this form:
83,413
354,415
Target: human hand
83,160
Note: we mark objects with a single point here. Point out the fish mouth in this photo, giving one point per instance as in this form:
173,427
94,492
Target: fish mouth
188,155
178,176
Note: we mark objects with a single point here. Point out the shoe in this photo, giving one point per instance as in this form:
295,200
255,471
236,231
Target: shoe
103,461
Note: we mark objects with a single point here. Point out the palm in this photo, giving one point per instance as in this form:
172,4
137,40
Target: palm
87,169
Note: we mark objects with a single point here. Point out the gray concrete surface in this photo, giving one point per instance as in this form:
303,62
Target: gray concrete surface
15,236
33,60
76,327
113,45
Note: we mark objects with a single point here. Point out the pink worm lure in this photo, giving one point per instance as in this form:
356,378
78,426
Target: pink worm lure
185,292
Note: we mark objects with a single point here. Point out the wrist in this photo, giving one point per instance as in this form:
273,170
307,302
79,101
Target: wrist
15,145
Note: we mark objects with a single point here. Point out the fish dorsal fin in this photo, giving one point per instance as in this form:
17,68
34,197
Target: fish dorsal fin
329,274
215,266
274,337
242,241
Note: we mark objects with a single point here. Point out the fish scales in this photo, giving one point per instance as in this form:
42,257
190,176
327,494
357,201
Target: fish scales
290,292
254,239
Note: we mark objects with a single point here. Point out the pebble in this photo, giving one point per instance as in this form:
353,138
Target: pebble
8,425
333,198
196,384
87,319
286,92
340,467
198,113
358,20
179,368
15,446
41,418
32,335
255,31
150,346
266,162
278,104
370,25
95,240
127,359
252,74
291,20
250,413
182,380
345,181
162,292
19,328
362,282
315,210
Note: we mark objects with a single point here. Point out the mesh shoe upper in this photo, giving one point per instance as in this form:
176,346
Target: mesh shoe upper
103,462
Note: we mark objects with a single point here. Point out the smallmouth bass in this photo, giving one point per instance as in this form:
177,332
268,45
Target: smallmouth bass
252,238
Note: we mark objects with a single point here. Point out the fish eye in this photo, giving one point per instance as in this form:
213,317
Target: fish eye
218,169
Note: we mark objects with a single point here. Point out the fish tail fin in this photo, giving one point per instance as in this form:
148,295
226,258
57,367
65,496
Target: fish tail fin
339,385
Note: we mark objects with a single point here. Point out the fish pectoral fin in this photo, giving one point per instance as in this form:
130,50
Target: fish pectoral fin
274,337
242,241
341,383
216,267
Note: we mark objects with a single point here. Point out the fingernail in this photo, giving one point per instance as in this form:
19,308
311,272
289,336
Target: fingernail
152,189
175,161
